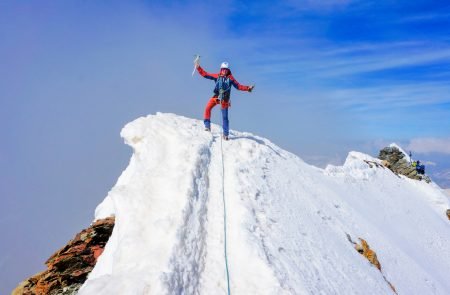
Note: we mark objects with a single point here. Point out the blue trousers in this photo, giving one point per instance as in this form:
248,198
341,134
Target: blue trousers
226,123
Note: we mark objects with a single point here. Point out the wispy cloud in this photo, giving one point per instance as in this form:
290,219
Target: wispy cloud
323,61
430,145
318,5
437,16
392,96
386,61
443,178
366,76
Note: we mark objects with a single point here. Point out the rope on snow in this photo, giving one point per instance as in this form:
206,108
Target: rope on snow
224,218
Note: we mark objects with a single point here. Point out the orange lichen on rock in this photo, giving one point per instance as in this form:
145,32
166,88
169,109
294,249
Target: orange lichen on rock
365,250
69,267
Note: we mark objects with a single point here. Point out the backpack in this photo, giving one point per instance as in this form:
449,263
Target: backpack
223,85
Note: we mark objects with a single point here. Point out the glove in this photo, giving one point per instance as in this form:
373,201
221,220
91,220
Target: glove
250,89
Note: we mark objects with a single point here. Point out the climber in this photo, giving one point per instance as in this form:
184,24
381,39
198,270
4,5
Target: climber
420,168
224,79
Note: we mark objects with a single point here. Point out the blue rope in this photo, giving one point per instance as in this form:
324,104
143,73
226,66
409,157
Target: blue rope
224,219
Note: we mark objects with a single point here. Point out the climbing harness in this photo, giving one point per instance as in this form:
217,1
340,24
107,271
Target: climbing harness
223,85
224,218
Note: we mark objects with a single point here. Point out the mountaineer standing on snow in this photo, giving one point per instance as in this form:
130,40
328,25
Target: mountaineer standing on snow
224,79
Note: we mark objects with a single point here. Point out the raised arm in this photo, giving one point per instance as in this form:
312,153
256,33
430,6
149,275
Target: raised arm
205,74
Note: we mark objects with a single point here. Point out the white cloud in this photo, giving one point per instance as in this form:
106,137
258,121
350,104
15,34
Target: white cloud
443,179
430,145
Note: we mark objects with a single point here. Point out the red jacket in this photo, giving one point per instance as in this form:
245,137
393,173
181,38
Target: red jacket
214,77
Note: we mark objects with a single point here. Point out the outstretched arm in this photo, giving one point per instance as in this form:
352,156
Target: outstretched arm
238,86
205,74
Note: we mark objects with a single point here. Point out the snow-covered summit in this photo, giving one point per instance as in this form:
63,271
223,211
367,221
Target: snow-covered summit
286,221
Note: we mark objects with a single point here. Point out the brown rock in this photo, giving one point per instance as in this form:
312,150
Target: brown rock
68,268
97,251
365,250
394,159
448,213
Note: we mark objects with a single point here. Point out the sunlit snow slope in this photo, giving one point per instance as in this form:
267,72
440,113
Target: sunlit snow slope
286,220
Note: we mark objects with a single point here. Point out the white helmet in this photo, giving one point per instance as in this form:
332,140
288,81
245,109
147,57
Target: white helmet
225,65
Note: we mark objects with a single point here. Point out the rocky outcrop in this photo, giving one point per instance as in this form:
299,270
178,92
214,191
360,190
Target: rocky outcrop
69,267
448,214
395,160
363,248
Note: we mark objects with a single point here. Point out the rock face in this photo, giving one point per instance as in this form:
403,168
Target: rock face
69,267
448,214
363,248
395,160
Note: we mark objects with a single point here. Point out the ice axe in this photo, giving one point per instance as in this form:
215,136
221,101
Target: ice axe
196,62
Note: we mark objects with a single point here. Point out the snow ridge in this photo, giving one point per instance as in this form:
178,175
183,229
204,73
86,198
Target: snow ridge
224,217
188,258
286,220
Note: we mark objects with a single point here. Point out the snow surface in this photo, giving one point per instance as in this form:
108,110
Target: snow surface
286,220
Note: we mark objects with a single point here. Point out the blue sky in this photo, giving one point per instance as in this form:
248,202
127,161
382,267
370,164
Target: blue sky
331,77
